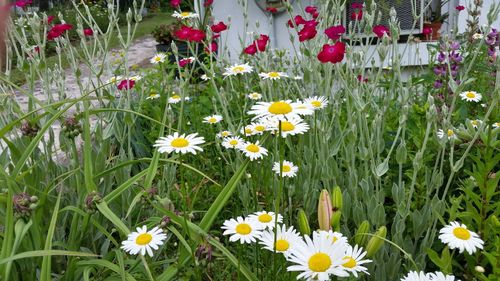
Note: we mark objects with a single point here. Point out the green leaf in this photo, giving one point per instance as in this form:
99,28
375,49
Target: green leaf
382,168
117,222
45,253
106,264
45,273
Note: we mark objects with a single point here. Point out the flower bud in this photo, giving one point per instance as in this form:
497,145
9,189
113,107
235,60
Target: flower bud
336,220
361,237
325,211
376,242
304,227
336,199
479,269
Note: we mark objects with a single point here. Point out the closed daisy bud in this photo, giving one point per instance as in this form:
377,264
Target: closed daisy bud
325,211
361,238
376,242
304,227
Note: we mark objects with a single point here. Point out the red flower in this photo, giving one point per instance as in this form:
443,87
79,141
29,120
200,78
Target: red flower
175,3
211,48
126,84
307,33
380,30
208,3
298,21
88,32
311,9
250,49
262,42
332,53
361,79
62,27
311,23
50,19
357,13
23,3
186,61
460,8
183,33
51,35
271,10
196,35
216,35
427,30
218,27
335,32
36,49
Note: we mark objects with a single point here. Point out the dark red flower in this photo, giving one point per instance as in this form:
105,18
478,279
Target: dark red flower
335,32
50,19
426,30
311,23
380,30
196,35
23,3
211,48
216,35
126,84
250,49
361,79
186,61
262,42
460,8
52,34
175,3
88,32
298,19
36,49
183,33
62,27
332,53
307,33
208,3
311,9
271,10
357,13
218,27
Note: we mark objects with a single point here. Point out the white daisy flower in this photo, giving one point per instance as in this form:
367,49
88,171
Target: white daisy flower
144,241
439,276
286,240
212,119
232,142
273,75
180,143
335,236
471,96
318,258
450,134
135,78
289,169
496,125
265,219
298,77
254,96
204,77
282,110
416,276
114,79
475,123
238,69
354,257
176,98
477,36
224,134
258,128
253,150
457,235
316,102
247,130
184,15
158,58
292,126
241,229
153,96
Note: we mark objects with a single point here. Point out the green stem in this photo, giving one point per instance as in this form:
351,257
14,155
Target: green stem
148,272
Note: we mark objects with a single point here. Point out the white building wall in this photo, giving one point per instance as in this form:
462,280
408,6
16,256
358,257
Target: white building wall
462,17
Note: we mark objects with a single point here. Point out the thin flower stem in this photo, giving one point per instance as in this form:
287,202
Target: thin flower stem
145,263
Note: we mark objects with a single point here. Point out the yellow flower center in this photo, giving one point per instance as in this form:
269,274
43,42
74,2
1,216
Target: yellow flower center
185,14
180,142
287,126
238,69
282,245
143,239
461,233
259,128
450,133
273,74
253,148
157,59
265,218
212,120
176,97
350,263
248,131
280,107
470,95
243,228
286,168
233,142
334,239
497,124
225,134
316,103
319,262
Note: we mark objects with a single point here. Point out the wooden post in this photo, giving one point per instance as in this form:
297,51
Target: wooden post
4,15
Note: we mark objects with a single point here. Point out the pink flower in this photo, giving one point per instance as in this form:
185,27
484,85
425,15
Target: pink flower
208,3
310,23
298,20
175,3
211,48
88,32
186,61
307,33
216,28
50,19
126,84
183,33
262,42
357,13
313,11
426,30
380,30
250,49
23,3
58,30
196,35
361,79
332,53
335,32
460,8
271,10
